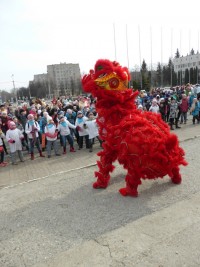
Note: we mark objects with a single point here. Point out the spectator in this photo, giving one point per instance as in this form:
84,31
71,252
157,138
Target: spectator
4,121
184,106
22,120
20,127
162,109
154,106
2,162
92,130
64,129
51,133
195,110
191,97
32,128
71,117
43,123
14,136
167,109
83,133
173,113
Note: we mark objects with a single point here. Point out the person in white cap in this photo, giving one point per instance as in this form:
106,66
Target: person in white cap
14,137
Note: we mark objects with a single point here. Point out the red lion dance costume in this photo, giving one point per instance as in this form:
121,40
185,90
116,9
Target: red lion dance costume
140,141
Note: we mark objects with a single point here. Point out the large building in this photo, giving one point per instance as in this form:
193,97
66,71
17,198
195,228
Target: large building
40,78
188,62
64,79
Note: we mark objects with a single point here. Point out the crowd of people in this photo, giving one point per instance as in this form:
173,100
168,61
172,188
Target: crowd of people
43,126
47,126
173,104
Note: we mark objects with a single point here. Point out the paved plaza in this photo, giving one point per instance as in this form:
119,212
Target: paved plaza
52,217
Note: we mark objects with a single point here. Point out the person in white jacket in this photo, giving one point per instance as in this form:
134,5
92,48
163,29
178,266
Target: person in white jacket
32,128
92,130
154,106
14,137
80,121
51,133
64,129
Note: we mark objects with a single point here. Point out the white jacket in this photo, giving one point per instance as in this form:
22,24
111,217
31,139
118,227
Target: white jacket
92,128
14,135
28,129
83,131
51,130
65,130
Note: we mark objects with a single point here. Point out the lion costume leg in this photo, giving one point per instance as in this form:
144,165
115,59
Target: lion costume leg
176,176
132,181
105,167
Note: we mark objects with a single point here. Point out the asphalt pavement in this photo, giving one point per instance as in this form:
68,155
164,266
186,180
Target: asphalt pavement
52,217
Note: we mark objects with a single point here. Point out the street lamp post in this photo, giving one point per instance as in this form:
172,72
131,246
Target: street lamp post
14,86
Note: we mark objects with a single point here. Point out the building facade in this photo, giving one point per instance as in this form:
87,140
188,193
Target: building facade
64,79
183,64
40,78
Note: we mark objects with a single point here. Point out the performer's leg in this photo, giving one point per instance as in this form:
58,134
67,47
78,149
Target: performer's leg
176,177
132,182
105,167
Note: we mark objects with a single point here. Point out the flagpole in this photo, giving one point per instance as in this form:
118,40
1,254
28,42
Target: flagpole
180,55
198,57
140,58
114,41
189,53
127,51
127,46
161,59
151,54
171,52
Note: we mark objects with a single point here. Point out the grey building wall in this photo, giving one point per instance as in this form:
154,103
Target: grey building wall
64,78
187,62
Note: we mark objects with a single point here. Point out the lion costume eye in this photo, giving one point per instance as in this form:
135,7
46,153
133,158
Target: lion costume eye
113,83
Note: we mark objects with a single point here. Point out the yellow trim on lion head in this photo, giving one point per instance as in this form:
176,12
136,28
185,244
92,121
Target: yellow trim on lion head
111,82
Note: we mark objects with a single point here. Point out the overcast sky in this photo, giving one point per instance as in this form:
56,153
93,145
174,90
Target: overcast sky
37,33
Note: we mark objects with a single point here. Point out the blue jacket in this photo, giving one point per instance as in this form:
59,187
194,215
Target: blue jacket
195,112
42,123
71,117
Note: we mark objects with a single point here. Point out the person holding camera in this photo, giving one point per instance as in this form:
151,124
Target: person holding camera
14,137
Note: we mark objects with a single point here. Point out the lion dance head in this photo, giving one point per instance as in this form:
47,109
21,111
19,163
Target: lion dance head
107,75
